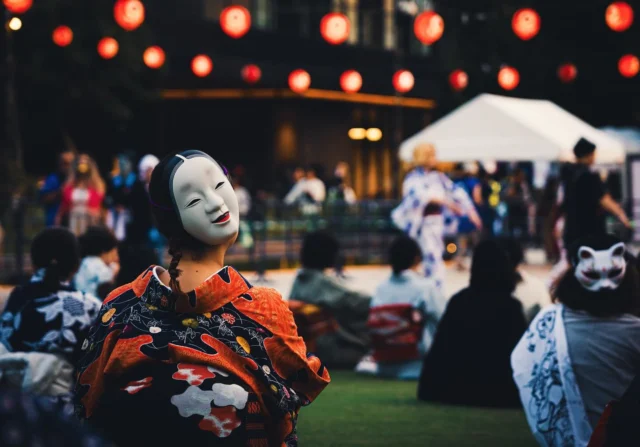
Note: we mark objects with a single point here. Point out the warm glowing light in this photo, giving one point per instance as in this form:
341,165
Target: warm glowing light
129,14
357,133
351,81
526,23
335,28
299,81
619,16
18,6
374,134
201,65
403,81
458,80
235,21
154,57
108,47
508,78
567,73
628,65
451,248
15,24
251,74
62,36
428,27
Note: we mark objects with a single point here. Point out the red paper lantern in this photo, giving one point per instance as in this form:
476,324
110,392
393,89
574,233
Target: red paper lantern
458,80
619,16
567,73
428,27
129,14
299,81
251,74
62,36
629,65
235,21
526,23
351,81
335,28
154,57
18,6
508,78
108,47
403,81
201,65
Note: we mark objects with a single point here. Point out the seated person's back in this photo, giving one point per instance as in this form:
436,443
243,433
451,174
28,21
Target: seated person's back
350,342
46,321
468,363
405,287
587,341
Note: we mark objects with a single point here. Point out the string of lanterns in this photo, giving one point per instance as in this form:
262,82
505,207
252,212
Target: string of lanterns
335,28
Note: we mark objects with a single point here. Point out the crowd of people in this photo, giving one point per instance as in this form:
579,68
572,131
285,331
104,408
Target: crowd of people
145,354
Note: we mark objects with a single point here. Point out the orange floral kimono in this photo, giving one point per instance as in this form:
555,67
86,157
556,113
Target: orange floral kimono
224,366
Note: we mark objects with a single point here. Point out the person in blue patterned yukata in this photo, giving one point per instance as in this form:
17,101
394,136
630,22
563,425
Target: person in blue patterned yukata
426,193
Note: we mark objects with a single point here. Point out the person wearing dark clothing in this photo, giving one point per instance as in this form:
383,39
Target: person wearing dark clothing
50,192
468,363
586,198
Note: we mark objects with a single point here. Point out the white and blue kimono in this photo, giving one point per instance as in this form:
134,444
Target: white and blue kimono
547,384
419,191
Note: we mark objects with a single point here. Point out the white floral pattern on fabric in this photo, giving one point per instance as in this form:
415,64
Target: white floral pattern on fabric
225,395
193,401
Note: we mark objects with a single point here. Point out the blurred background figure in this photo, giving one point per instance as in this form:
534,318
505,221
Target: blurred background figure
466,230
50,193
100,262
309,192
340,188
468,363
517,197
350,342
123,179
82,196
404,315
244,205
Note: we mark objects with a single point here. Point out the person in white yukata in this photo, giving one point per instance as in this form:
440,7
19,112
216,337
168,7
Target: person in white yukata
426,192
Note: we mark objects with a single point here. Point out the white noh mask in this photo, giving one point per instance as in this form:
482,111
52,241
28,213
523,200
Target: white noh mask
205,200
601,269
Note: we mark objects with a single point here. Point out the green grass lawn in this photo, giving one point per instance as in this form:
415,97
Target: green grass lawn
355,410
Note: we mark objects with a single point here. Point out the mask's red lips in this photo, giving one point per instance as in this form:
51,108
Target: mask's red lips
223,218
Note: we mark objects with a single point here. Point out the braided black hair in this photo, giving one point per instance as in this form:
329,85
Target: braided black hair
168,217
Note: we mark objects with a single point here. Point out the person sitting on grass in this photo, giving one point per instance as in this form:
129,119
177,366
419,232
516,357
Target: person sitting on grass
100,262
582,352
45,322
530,291
404,315
350,342
468,363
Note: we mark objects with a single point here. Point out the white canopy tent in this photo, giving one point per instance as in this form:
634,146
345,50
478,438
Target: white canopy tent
491,127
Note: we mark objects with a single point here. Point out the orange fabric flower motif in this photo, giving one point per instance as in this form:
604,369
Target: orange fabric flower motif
221,421
194,374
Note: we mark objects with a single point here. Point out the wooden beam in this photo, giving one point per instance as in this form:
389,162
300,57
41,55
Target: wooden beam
326,95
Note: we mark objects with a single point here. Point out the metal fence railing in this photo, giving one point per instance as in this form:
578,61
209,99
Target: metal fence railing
276,231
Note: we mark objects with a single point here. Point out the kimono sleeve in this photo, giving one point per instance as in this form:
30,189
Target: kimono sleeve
286,349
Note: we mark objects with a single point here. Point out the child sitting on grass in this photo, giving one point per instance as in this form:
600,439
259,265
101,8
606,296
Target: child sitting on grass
100,262
404,315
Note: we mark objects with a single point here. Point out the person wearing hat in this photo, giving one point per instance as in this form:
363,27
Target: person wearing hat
586,198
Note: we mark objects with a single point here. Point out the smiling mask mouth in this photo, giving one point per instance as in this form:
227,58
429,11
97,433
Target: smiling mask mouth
223,218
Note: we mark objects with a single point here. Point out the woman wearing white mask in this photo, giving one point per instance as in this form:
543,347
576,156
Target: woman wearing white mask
194,351
582,352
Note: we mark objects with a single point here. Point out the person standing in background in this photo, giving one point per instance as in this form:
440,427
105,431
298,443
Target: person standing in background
244,205
120,189
341,189
426,193
50,192
82,196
